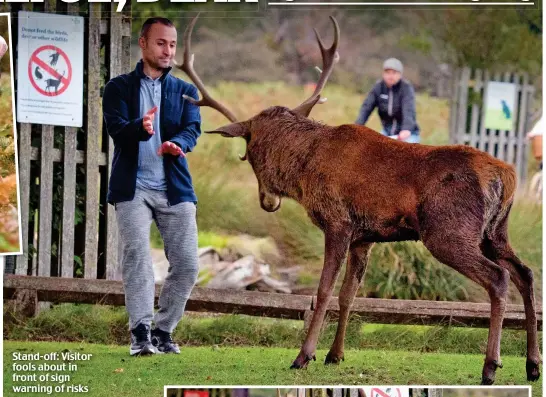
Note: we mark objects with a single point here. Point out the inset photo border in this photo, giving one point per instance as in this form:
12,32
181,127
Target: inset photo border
358,391
10,214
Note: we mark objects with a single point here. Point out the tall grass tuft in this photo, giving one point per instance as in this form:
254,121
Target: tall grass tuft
406,270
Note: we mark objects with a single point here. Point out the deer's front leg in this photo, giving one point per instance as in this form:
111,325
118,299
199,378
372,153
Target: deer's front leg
336,246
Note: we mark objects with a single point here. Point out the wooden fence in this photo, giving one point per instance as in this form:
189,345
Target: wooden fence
68,229
25,292
467,117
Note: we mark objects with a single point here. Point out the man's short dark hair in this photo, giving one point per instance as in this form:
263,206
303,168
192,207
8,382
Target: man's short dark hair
150,21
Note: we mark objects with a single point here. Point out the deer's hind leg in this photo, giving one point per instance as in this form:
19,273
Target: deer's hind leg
497,248
451,222
354,275
466,257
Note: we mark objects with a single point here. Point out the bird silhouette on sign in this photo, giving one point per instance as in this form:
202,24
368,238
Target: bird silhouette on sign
506,109
54,58
37,73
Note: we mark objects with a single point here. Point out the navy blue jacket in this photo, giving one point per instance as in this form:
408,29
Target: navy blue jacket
180,123
395,106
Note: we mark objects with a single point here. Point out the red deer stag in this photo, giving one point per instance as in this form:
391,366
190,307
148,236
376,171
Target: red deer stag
361,188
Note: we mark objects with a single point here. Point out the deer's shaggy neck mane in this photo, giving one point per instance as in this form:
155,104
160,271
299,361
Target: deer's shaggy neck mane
283,149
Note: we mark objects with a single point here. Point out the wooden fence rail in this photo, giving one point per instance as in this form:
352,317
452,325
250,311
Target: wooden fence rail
28,291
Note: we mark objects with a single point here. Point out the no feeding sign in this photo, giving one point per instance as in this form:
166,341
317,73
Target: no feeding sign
50,69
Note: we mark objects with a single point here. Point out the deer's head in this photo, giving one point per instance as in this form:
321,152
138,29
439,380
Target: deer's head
256,127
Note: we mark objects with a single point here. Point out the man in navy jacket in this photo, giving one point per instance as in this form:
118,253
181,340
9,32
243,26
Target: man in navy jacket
394,98
153,127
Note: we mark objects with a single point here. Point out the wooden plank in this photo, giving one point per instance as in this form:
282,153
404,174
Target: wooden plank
492,141
24,141
462,105
394,311
525,160
55,289
58,156
94,120
453,107
69,202
109,292
69,190
126,41
46,202
510,150
475,109
482,139
125,29
24,147
113,268
521,132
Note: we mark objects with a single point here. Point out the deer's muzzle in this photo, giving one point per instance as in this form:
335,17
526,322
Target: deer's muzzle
269,202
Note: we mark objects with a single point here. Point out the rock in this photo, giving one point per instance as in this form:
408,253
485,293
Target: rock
208,255
263,249
238,274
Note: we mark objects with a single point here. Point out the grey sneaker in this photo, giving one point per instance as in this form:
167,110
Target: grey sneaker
163,342
141,343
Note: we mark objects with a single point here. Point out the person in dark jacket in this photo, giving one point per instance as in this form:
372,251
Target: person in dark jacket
394,98
153,127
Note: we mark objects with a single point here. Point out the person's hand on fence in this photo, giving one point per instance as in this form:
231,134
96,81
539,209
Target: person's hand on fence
404,134
148,120
170,148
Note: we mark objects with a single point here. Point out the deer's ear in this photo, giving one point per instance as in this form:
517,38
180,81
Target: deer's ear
232,130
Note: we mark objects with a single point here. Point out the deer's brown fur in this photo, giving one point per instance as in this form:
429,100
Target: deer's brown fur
361,188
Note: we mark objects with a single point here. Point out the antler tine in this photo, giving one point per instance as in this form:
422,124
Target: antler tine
187,67
330,57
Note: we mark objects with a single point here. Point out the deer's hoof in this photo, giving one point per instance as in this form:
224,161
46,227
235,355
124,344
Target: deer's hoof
486,381
489,369
296,365
533,372
302,360
333,358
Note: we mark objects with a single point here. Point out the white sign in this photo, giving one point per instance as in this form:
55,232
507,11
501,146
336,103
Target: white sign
386,391
50,69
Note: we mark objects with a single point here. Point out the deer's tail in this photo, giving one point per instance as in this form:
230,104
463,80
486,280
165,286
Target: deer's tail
499,184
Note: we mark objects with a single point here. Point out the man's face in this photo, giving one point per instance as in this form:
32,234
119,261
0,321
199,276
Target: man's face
391,77
159,46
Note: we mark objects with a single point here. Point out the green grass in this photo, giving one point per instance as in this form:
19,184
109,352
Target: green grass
111,368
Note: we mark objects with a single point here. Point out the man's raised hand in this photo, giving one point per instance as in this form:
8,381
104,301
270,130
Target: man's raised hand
170,148
148,120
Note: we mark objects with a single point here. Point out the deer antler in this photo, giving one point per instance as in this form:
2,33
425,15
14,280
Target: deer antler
187,67
330,57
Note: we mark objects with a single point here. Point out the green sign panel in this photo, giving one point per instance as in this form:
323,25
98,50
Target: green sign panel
500,106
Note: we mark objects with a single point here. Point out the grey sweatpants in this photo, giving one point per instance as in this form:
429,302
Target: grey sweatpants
178,228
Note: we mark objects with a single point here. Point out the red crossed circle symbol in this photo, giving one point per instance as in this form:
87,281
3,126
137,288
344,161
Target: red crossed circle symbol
63,81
